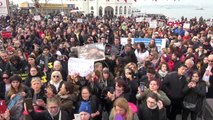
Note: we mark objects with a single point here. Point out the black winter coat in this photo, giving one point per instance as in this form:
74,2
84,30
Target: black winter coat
195,95
146,113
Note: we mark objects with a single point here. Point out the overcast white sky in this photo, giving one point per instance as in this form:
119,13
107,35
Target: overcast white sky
200,3
160,2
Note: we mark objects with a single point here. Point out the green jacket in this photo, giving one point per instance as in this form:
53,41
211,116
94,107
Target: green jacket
162,96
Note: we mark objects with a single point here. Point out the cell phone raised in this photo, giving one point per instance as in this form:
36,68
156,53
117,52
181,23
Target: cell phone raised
3,106
142,86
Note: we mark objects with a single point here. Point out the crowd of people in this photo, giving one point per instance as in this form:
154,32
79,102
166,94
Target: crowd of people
134,82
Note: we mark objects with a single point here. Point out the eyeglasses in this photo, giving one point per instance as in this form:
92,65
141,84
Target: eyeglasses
5,77
56,76
210,61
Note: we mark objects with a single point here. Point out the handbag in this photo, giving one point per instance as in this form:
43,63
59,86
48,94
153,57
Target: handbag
190,106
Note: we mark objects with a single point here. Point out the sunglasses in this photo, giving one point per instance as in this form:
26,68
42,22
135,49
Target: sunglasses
56,76
5,77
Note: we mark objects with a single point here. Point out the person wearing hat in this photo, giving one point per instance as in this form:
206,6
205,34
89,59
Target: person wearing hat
90,104
16,94
85,111
16,88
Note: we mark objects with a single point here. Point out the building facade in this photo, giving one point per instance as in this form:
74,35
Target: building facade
104,7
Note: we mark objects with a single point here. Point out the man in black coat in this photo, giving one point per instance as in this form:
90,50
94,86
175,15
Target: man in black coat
3,61
172,85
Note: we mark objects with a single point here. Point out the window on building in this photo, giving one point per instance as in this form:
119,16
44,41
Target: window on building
92,8
116,10
129,10
120,10
125,10
100,11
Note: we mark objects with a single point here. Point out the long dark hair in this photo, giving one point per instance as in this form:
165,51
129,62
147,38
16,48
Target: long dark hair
142,47
196,72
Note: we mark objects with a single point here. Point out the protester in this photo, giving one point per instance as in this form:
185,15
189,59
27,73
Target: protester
33,72
37,44
152,109
4,85
38,92
16,94
53,111
194,92
154,86
91,101
206,73
56,80
68,97
173,84
122,108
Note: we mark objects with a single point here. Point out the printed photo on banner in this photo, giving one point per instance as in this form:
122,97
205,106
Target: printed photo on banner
95,52
80,66
186,25
161,43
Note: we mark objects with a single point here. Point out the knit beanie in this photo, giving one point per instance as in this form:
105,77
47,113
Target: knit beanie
85,107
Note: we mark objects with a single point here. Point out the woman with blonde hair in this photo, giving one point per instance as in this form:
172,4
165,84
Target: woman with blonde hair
121,107
56,80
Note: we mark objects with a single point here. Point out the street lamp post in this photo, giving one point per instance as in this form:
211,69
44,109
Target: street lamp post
62,12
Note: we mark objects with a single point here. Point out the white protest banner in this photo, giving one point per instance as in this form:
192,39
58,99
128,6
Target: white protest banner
79,20
148,19
81,66
209,23
140,19
153,24
4,8
55,19
124,41
186,25
37,17
95,52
